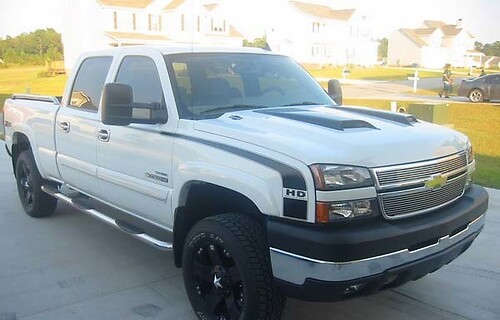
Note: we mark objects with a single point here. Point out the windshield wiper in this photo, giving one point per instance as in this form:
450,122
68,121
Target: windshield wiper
233,108
304,103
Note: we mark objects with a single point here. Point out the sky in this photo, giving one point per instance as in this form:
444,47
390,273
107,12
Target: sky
480,17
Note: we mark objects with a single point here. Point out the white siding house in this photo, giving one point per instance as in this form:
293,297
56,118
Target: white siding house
315,33
432,46
99,24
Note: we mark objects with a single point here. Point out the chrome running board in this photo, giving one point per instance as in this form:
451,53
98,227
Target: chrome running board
136,233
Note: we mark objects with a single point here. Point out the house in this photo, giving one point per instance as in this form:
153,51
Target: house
433,45
491,62
318,34
100,24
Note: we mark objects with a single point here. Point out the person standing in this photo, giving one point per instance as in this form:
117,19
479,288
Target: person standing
447,81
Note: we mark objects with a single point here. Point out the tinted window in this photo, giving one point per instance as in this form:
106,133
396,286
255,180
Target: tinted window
87,90
142,75
496,79
207,85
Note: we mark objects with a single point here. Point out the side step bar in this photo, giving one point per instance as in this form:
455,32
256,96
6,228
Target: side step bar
139,234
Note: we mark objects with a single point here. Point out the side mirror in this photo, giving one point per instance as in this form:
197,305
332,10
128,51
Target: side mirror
335,91
118,107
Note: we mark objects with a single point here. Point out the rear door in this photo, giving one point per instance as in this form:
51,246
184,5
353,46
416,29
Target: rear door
76,125
134,161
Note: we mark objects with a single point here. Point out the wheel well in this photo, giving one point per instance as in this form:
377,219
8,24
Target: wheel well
203,200
20,143
478,89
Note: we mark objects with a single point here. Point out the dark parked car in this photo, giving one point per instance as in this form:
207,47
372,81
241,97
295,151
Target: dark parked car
481,89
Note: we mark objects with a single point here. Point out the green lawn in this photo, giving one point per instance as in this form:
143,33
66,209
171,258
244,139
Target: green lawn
481,123
25,78
375,73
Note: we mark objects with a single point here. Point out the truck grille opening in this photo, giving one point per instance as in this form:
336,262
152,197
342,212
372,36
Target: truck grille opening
403,191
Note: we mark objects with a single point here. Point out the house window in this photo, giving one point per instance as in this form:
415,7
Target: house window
212,24
224,26
198,24
115,20
315,27
154,22
182,22
133,21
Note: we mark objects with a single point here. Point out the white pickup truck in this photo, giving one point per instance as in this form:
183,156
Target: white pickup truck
260,181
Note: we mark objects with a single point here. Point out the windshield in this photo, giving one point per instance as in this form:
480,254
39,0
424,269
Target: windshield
207,85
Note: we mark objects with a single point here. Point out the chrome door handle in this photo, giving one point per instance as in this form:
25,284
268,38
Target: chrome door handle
64,126
103,135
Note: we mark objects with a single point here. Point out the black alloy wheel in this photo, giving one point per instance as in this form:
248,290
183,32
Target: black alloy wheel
218,280
227,270
36,203
25,179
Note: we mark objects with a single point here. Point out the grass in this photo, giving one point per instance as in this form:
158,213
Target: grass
19,79
481,123
376,73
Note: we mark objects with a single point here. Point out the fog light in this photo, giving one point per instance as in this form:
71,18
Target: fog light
332,211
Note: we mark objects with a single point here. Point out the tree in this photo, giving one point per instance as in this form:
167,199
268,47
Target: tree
257,43
10,56
492,49
382,48
478,46
33,47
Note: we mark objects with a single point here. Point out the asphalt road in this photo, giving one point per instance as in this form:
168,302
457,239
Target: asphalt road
71,266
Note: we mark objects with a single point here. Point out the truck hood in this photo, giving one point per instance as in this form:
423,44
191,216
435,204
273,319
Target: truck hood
338,135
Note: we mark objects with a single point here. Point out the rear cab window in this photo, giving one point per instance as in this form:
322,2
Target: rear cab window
89,81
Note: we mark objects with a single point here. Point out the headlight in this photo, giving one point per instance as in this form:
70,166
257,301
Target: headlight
345,210
335,177
470,152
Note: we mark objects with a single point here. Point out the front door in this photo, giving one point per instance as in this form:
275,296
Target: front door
134,161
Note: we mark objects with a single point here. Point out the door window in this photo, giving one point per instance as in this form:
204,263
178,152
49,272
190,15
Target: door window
87,89
142,75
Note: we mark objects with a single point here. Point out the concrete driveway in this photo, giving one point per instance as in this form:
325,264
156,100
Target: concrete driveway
71,266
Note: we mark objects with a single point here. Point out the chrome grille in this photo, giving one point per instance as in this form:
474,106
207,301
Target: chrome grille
401,204
406,190
419,171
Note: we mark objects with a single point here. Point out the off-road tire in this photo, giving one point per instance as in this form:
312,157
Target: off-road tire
238,245
36,203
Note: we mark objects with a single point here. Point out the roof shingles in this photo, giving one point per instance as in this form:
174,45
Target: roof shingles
140,4
323,12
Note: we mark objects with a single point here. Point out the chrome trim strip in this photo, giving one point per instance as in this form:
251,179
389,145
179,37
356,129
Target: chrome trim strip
167,246
420,181
414,213
296,269
419,189
414,165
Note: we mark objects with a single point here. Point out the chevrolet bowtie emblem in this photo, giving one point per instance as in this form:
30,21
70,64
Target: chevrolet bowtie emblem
436,181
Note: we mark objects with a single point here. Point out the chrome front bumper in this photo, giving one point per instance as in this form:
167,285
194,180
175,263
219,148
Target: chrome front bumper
295,269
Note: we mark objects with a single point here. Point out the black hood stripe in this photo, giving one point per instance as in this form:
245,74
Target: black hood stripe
292,178
316,118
